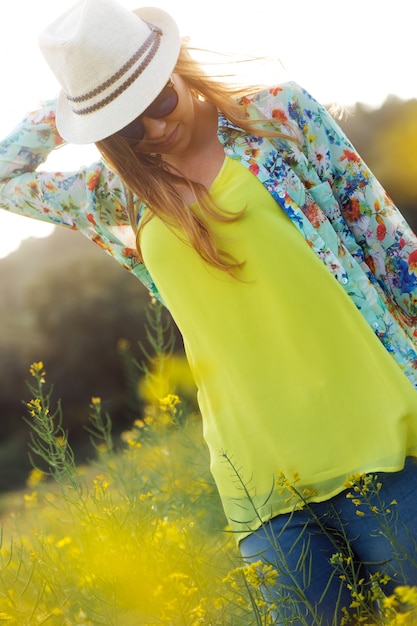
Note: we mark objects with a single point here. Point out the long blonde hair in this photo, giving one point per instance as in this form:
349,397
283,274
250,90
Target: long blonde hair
147,178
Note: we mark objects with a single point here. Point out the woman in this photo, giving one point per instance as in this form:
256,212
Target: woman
289,272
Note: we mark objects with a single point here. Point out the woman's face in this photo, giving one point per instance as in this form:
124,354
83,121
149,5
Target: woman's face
174,134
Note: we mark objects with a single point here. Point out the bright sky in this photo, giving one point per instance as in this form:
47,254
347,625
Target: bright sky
340,50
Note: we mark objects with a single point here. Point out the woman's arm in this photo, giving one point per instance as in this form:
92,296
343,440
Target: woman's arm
91,199
367,213
59,198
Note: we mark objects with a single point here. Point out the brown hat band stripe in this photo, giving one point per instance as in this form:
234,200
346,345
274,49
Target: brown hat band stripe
105,101
153,40
154,31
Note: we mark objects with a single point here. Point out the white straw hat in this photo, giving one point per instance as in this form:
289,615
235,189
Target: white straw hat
111,64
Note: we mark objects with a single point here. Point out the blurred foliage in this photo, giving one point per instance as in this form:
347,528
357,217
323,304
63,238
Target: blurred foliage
386,138
68,304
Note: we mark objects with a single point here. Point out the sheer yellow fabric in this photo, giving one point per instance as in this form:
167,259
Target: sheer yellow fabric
291,378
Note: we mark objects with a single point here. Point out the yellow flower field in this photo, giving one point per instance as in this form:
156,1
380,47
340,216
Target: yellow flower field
138,536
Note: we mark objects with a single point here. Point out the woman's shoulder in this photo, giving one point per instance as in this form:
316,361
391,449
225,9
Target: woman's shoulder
281,94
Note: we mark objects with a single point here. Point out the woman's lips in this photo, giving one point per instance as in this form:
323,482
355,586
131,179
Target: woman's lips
166,143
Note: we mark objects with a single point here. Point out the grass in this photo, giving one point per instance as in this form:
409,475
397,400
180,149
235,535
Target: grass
134,538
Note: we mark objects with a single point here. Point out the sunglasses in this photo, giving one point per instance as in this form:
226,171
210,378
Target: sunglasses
163,105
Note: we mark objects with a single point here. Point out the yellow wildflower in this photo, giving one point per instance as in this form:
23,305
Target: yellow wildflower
407,595
34,406
65,541
391,602
36,370
133,444
101,482
260,574
354,479
31,499
35,477
200,611
145,496
129,437
169,403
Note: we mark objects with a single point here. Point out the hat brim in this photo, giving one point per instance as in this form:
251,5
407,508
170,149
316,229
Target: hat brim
85,129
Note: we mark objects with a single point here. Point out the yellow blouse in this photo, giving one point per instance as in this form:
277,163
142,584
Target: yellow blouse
273,354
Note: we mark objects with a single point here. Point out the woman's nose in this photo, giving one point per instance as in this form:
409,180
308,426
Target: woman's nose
154,129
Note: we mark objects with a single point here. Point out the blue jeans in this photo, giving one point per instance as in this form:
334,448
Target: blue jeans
322,549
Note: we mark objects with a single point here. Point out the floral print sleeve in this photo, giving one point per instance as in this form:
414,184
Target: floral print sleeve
91,200
59,198
335,202
367,216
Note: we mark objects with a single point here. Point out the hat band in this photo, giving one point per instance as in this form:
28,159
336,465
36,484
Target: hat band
151,45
